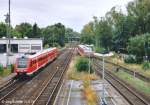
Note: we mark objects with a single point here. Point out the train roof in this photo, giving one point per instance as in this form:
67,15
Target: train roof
40,52
85,47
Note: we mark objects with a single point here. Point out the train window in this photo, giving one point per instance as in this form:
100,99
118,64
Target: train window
31,64
22,62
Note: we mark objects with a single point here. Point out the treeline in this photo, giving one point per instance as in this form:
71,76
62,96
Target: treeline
122,32
54,35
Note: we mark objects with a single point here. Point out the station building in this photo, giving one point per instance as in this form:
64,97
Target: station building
21,45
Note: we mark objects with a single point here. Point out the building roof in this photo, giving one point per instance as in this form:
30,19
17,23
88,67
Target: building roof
22,38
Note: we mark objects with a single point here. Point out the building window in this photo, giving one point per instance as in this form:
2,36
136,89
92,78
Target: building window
14,48
35,47
2,48
24,48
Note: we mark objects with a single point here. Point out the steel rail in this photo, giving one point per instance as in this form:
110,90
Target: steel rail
132,97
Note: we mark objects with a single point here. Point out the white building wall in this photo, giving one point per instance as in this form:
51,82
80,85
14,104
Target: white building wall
21,43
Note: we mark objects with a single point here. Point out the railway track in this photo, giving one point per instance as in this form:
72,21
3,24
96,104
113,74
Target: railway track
49,92
130,95
10,88
6,84
26,93
137,74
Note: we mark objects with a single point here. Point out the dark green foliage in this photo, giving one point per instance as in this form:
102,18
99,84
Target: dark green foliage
24,30
54,34
82,65
69,34
2,30
99,49
87,39
122,32
36,32
87,34
146,65
136,46
130,59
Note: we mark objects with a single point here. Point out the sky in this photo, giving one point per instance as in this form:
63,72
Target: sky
72,13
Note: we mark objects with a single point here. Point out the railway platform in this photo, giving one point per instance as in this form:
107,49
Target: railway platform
70,93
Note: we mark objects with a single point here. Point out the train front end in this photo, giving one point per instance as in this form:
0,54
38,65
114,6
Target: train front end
21,67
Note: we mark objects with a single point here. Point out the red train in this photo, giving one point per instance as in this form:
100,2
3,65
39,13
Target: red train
84,50
29,64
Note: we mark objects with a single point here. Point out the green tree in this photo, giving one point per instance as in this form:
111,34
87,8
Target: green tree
24,29
54,34
59,33
70,33
3,30
48,35
139,10
87,33
104,34
36,31
136,46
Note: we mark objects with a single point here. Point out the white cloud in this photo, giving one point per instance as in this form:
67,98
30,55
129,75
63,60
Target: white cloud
72,13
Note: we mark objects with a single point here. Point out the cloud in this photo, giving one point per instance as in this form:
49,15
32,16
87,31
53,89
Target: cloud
72,13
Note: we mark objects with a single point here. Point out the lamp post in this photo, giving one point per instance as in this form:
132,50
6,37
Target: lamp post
103,101
103,78
103,74
146,49
89,67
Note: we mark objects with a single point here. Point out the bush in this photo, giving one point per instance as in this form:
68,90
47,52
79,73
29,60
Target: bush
46,46
136,46
1,68
12,68
83,65
139,60
100,50
146,65
130,59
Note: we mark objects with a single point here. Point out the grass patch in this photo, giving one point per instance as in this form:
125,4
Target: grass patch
88,92
5,72
138,84
135,67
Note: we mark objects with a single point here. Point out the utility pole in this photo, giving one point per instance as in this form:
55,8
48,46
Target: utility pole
8,23
103,77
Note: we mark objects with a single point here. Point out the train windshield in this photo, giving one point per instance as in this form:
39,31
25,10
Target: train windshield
22,62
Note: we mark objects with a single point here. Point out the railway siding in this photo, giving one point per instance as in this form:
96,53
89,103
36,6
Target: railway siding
128,92
130,71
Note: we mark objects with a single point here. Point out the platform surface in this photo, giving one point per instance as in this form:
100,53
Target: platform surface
70,93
